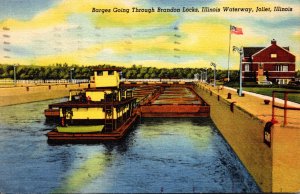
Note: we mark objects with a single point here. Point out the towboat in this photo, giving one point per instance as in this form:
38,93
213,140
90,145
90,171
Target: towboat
103,112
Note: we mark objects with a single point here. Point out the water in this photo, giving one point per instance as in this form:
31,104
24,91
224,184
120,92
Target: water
159,155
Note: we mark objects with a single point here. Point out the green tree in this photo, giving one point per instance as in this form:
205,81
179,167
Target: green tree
153,75
140,76
1,71
298,74
234,76
190,76
147,76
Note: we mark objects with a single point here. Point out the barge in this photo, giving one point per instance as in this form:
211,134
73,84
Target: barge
175,101
104,112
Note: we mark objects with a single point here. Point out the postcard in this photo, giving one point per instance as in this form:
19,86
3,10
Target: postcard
123,96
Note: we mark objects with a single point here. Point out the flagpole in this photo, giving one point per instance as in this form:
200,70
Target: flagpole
229,50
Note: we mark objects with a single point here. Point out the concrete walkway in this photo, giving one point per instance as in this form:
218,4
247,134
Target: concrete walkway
280,101
254,104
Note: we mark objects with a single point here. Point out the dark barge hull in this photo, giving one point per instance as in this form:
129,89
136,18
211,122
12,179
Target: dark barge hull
175,110
58,137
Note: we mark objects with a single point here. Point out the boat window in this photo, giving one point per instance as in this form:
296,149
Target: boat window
110,72
110,97
129,94
99,73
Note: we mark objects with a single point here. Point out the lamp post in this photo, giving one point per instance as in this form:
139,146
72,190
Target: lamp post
72,69
205,74
201,76
240,51
214,65
15,75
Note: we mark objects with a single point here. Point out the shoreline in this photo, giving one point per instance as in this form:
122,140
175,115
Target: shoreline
32,93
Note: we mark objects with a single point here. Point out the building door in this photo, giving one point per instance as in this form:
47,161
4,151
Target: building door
260,71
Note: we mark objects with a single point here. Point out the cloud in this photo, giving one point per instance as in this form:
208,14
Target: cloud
59,13
70,32
296,35
132,20
210,40
179,3
254,4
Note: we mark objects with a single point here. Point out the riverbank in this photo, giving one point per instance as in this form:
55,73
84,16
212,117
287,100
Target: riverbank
242,120
32,93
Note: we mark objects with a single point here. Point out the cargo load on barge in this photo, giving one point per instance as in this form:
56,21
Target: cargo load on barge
99,113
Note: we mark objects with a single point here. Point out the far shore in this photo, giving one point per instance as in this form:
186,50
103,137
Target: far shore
24,93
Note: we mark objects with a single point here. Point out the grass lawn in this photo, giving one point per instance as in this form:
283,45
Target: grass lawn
268,92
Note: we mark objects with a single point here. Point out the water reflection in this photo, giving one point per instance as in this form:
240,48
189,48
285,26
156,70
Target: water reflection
169,155
197,131
85,172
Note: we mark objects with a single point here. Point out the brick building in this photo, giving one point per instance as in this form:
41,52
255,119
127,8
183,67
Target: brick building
273,63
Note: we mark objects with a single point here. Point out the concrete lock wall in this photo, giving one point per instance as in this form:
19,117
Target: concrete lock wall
275,168
244,133
286,158
24,94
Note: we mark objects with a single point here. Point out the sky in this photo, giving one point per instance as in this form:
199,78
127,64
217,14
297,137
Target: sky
41,32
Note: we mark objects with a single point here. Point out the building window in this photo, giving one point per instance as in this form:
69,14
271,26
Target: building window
247,67
273,55
110,72
284,68
99,73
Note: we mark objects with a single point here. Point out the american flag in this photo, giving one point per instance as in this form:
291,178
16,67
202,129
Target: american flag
236,30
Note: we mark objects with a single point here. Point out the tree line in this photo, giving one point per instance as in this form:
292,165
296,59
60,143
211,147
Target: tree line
57,71
140,72
64,71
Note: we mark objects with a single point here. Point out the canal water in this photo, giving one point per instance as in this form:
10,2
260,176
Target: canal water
159,155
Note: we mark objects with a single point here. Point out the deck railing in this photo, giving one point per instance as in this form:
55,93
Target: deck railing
54,81
64,81
284,107
159,80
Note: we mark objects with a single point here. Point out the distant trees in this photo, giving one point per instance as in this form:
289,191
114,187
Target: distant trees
141,72
298,74
62,71
57,71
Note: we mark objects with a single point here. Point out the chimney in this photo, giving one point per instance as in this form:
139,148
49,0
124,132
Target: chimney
273,42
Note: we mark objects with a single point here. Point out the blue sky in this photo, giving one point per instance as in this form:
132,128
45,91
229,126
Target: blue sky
58,31
24,9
